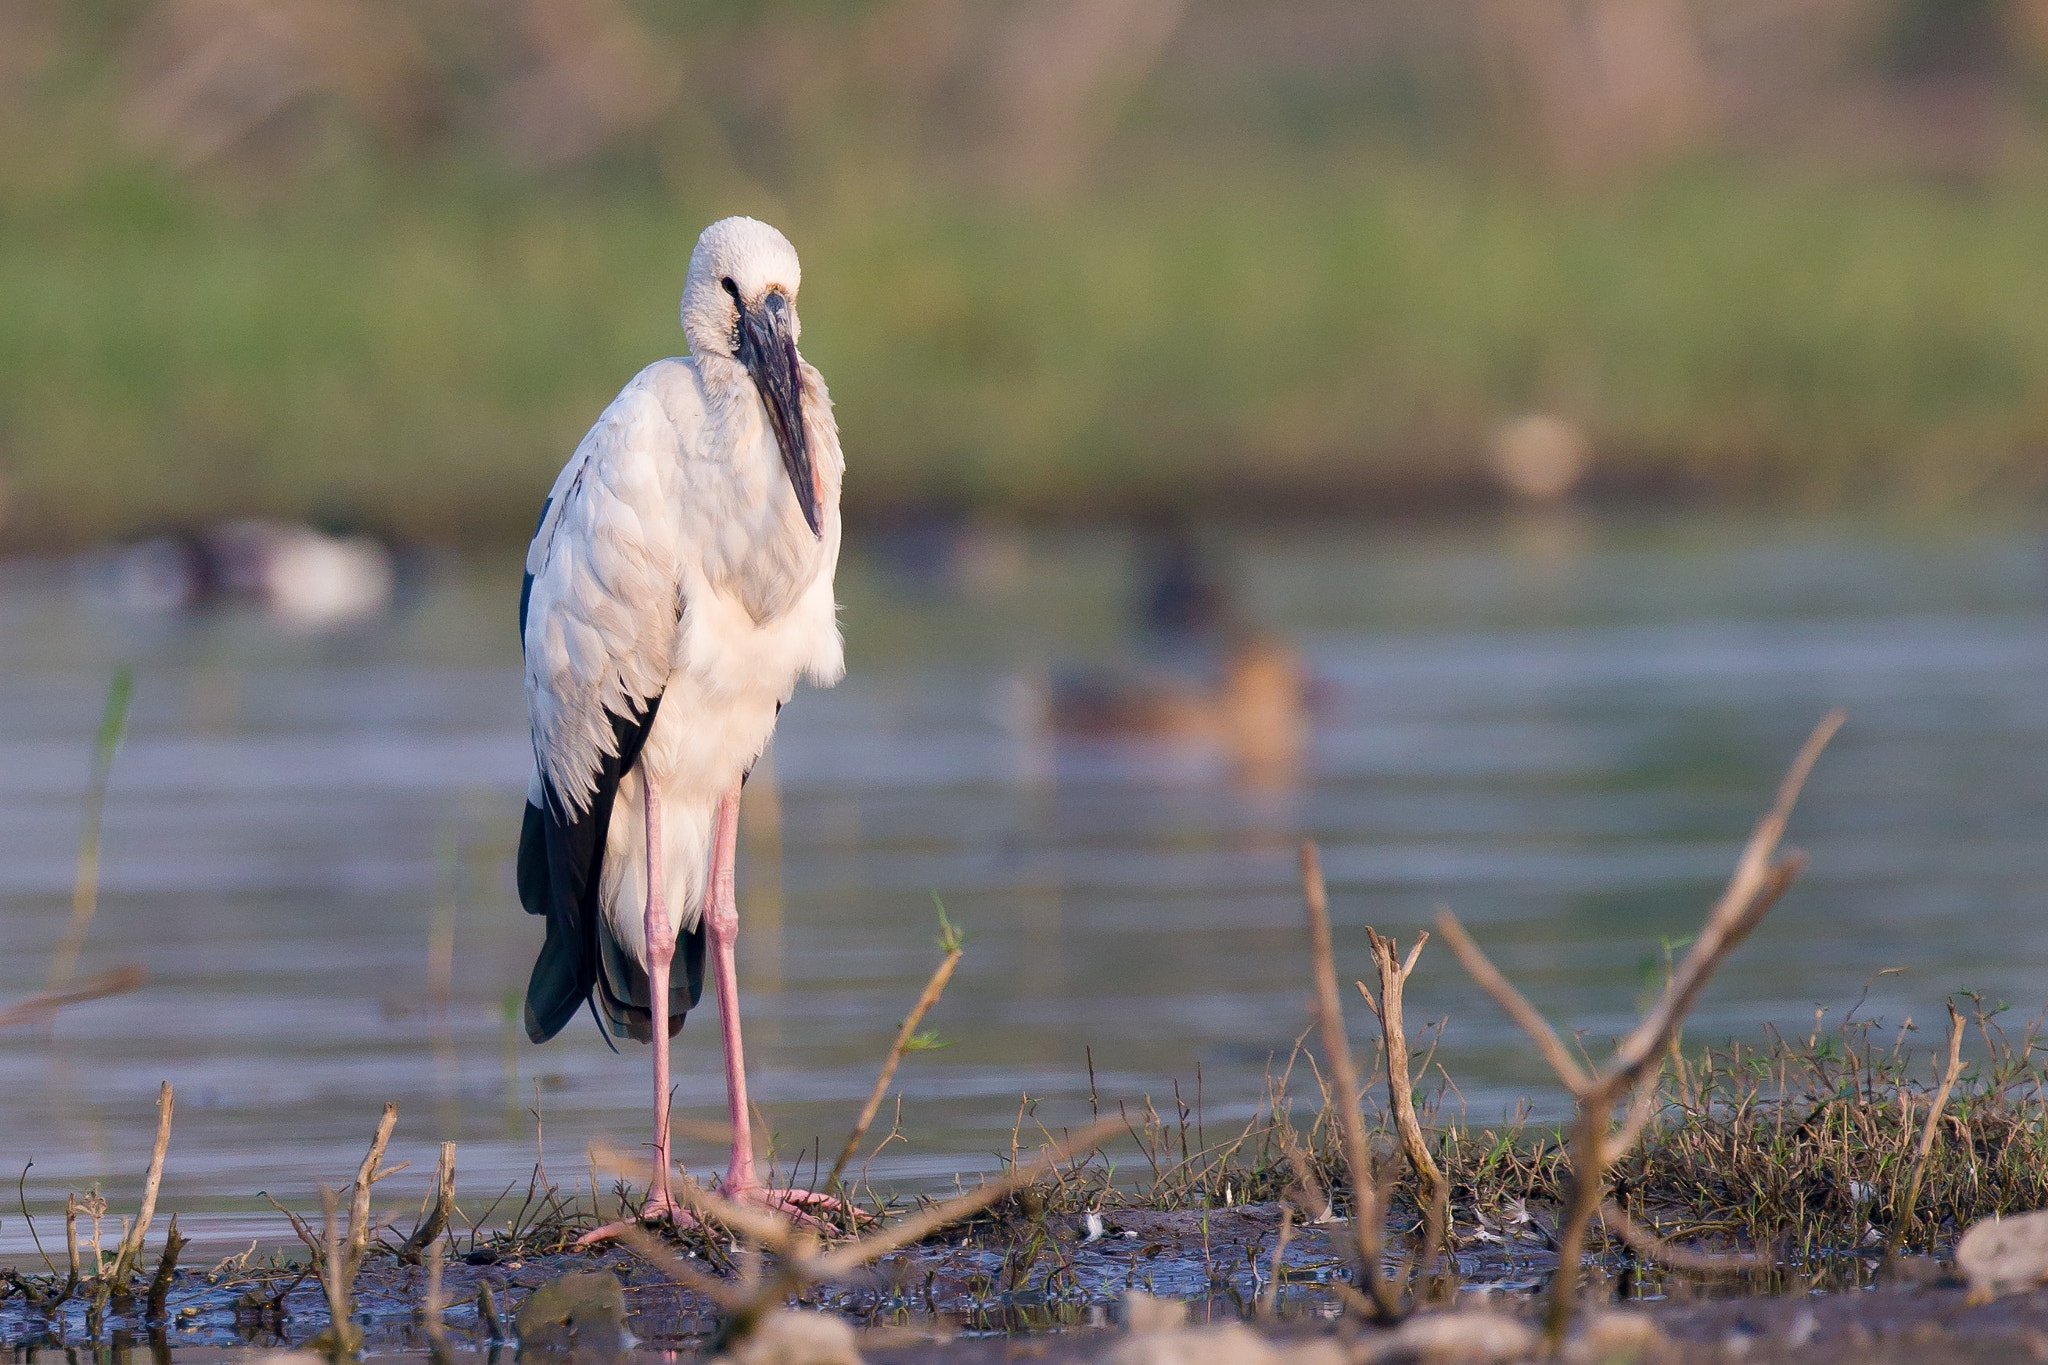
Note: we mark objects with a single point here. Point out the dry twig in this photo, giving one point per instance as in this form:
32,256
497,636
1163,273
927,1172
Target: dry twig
1388,1008
39,1007
130,1254
1394,972
166,1267
434,1215
1759,879
1909,1209
1365,1210
338,1255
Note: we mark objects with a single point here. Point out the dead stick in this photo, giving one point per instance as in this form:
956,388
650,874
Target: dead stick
932,991
1593,1147
41,1006
130,1254
71,1231
331,1276
1909,1212
435,1215
1390,1010
368,1174
1760,878
1365,1220
166,1267
345,1249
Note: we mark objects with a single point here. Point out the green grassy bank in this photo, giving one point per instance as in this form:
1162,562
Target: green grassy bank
422,349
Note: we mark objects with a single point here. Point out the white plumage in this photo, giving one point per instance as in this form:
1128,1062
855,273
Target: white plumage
658,573
676,564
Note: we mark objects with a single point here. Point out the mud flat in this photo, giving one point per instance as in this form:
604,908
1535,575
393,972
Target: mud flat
1053,1289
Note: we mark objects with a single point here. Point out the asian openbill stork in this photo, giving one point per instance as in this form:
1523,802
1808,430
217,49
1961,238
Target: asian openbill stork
678,586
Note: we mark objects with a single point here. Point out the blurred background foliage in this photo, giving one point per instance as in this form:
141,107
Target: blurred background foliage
384,260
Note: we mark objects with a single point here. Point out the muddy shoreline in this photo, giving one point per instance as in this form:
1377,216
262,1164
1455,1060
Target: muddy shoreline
1051,1289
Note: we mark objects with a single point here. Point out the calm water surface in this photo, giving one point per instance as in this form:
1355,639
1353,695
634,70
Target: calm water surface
1561,727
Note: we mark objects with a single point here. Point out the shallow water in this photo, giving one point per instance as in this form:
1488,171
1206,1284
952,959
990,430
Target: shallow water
1561,727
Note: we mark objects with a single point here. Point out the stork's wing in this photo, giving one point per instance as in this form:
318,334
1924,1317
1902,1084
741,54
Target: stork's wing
598,615
599,623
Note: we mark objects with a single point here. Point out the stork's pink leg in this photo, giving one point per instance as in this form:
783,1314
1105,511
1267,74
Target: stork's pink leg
722,927
661,952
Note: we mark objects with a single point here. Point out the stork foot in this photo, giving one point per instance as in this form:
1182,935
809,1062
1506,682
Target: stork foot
806,1208
657,1210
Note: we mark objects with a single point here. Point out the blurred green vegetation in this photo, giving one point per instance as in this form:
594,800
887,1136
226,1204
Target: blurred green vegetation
1324,293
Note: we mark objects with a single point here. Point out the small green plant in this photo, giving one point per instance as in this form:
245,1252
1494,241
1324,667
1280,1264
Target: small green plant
85,886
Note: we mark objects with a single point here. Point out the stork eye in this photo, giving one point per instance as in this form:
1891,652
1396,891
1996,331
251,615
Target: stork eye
738,311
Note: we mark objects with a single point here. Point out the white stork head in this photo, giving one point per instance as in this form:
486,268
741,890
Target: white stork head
739,302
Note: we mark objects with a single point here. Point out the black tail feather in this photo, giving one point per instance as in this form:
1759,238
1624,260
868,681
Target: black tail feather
622,992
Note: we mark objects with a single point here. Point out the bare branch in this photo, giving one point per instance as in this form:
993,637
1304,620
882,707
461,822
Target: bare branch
1365,1210
1752,888
1394,1034
366,1176
166,1268
39,1007
129,1256
299,1225
1909,1209
1759,879
435,1215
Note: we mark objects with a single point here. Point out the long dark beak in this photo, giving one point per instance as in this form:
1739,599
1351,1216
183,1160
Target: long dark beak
768,350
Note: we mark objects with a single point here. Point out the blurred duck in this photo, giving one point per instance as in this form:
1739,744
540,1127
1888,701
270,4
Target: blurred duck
1254,709
1204,676
1181,597
1257,703
301,577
